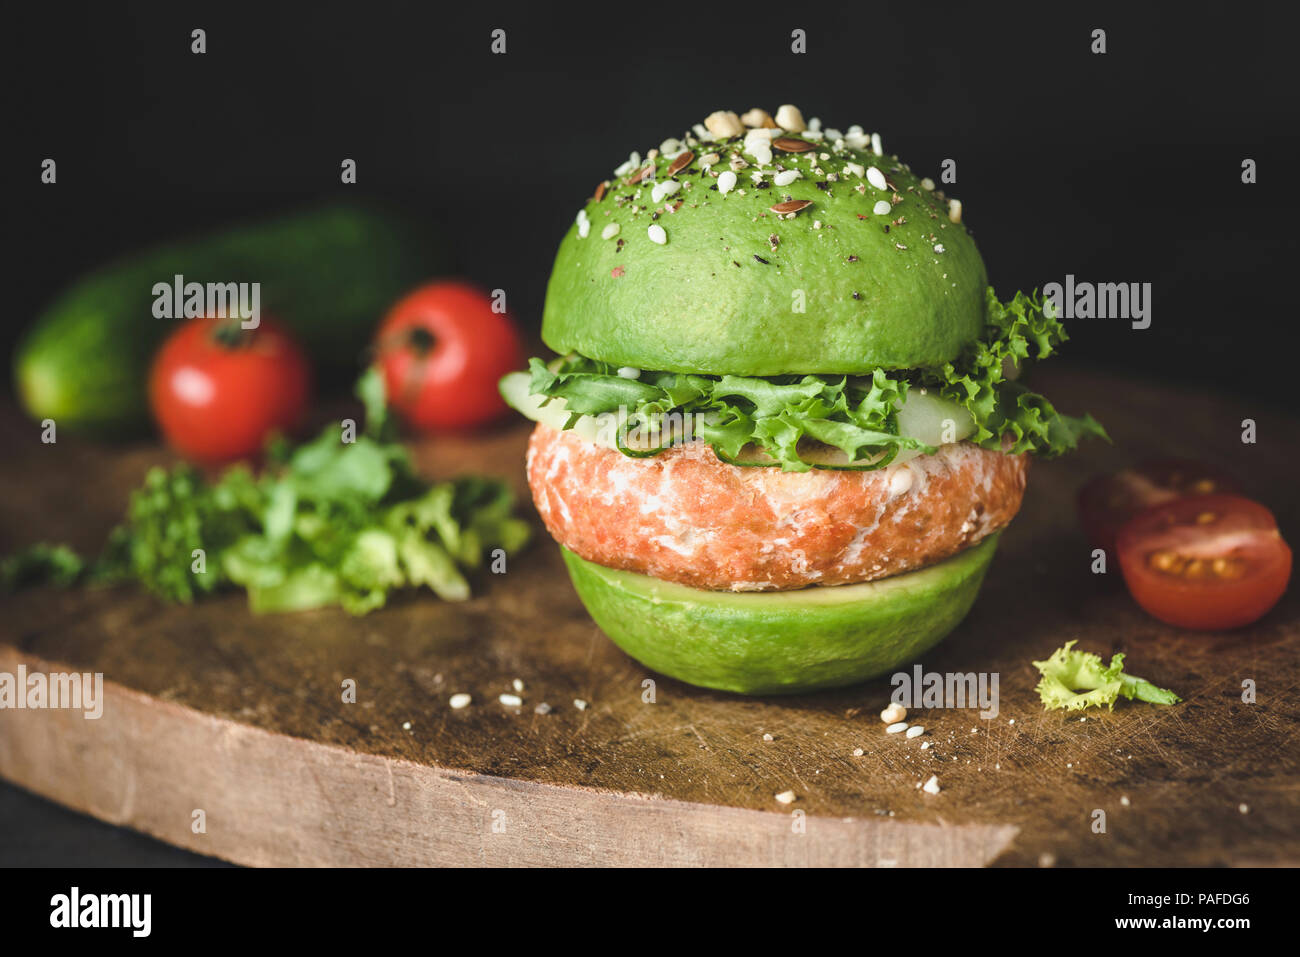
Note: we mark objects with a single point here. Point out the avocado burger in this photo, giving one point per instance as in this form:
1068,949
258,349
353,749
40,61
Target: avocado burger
786,422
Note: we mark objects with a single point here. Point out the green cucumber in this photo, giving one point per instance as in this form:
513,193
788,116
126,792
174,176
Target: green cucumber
328,273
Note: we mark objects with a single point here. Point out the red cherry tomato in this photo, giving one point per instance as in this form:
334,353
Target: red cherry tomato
218,391
1206,562
442,349
1108,501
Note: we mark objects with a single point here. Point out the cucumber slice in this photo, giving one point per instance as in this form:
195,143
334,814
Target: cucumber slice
514,387
820,456
936,421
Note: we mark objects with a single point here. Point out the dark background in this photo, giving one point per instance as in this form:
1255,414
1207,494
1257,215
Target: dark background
1124,167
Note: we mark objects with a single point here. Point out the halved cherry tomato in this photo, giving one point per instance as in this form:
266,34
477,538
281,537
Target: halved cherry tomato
442,350
218,391
1108,501
1205,562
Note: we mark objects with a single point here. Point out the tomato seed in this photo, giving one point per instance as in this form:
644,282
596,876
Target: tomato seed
1164,561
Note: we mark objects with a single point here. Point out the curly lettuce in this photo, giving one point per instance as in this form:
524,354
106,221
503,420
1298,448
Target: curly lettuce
858,415
1007,415
1075,680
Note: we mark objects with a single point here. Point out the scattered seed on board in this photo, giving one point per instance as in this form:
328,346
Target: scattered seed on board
406,726
511,700
542,708
768,737
925,745
580,704
931,786
857,752
786,797
518,685
896,727
459,701
915,730
895,712
1125,801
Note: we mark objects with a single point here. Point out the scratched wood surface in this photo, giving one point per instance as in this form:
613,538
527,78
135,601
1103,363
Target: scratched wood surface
212,708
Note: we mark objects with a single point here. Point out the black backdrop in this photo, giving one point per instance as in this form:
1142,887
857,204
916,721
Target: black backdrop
1122,167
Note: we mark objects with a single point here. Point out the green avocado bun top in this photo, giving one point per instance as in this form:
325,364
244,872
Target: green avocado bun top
756,246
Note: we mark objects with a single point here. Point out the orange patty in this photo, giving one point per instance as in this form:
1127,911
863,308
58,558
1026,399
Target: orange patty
685,516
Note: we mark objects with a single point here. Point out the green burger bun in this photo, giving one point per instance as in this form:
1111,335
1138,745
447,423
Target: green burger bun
840,286
784,641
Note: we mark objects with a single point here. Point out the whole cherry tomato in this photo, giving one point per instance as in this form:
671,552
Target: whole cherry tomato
1108,501
218,391
442,349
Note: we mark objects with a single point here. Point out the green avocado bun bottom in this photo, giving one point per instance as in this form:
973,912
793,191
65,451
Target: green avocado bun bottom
805,301
781,642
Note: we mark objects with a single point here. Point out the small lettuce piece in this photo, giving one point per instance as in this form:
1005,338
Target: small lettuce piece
172,516
592,392
370,389
427,563
303,588
40,564
1075,680
371,563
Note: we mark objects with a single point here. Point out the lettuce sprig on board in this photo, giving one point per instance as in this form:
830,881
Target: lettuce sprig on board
857,415
1075,680
327,523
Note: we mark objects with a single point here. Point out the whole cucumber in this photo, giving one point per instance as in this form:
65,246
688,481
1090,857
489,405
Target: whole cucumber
329,273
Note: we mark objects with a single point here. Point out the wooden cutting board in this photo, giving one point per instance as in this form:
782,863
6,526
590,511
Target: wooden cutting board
210,708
